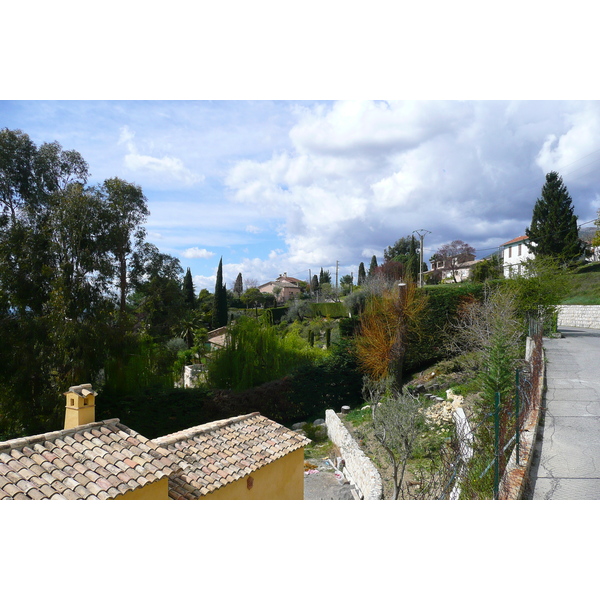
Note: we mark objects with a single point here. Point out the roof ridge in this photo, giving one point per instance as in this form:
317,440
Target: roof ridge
186,434
17,443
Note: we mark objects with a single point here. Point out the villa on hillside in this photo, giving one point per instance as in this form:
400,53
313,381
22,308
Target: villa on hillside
283,288
442,269
247,457
514,252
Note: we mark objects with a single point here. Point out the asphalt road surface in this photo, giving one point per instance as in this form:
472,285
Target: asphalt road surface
566,462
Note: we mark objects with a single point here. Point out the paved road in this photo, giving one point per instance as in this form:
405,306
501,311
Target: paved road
566,464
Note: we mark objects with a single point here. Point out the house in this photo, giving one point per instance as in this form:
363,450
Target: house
446,269
282,289
245,457
217,338
514,252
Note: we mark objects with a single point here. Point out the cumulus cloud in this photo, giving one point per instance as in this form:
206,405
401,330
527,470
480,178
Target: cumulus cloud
359,175
166,166
197,253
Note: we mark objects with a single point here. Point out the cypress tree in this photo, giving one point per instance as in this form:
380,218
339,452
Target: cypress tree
314,286
238,286
553,231
361,274
188,289
219,317
373,266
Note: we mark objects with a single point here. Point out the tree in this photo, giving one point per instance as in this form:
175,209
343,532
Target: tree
488,268
219,317
397,421
314,286
373,266
158,298
346,281
324,277
455,253
238,286
362,276
553,231
126,210
188,290
399,251
387,324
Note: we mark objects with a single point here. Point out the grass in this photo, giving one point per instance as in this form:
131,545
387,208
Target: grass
585,285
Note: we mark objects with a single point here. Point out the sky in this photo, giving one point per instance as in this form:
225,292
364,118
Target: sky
291,187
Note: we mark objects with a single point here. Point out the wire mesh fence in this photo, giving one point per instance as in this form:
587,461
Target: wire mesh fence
474,462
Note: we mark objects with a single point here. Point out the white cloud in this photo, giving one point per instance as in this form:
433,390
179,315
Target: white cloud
362,174
167,166
197,253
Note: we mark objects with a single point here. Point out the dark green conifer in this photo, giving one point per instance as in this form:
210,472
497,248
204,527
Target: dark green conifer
553,231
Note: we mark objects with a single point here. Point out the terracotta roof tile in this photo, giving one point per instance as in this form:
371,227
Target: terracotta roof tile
224,451
70,464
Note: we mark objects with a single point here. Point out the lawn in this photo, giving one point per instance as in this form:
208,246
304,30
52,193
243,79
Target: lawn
585,285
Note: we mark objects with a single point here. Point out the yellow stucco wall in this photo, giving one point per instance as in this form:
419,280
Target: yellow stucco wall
158,490
280,480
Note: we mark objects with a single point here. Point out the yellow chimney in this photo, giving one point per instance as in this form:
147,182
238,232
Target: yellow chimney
81,405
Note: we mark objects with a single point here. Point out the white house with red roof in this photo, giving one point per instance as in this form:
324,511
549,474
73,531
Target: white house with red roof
514,252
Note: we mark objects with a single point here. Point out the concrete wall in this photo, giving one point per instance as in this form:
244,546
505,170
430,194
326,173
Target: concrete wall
359,469
579,315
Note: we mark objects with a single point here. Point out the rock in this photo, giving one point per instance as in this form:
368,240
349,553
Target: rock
319,422
297,426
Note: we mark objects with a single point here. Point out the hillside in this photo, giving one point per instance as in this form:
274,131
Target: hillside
585,283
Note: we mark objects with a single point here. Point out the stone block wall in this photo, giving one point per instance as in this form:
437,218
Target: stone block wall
359,469
579,315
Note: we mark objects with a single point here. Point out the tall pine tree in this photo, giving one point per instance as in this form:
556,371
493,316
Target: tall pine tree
553,232
219,316
188,290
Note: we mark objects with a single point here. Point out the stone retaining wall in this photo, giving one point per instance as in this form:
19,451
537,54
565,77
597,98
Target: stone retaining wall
359,470
579,315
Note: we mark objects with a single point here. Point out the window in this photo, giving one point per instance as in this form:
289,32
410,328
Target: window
520,248
510,252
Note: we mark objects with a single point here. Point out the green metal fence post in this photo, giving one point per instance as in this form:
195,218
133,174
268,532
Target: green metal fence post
517,408
497,446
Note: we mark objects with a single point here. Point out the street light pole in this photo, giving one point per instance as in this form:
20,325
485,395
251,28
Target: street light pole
421,233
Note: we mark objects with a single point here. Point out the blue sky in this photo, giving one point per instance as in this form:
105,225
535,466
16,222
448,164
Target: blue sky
286,186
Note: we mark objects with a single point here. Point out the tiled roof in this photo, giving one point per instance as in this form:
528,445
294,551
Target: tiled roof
93,462
517,239
215,454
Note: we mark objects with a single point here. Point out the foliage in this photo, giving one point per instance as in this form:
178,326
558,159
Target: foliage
553,232
388,323
397,421
584,285
219,315
324,277
488,268
542,285
255,353
362,276
443,303
372,266
453,254
189,294
332,310
238,286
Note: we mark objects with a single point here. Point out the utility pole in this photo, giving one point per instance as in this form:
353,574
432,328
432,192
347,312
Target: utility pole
337,263
310,290
421,233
